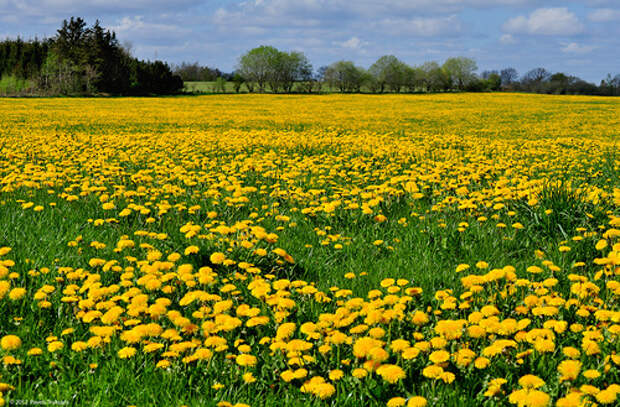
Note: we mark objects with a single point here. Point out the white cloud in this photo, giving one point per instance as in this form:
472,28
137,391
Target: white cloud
216,32
353,43
300,12
574,48
67,8
409,8
147,32
420,27
602,15
545,21
507,39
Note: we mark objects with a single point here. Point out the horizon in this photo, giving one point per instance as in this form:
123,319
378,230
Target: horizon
577,38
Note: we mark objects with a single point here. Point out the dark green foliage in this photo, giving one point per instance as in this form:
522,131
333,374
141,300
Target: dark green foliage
22,59
539,80
85,60
153,78
237,81
194,72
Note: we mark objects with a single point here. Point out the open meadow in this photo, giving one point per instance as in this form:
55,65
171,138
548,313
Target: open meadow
343,250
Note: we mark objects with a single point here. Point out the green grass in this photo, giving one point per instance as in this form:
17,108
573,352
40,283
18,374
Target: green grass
425,253
423,249
209,87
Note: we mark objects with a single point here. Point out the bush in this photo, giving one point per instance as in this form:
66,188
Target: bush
12,85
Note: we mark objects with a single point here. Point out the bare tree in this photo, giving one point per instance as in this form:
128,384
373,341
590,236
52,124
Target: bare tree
536,75
508,76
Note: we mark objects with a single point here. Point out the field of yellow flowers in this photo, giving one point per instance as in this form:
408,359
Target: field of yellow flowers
343,250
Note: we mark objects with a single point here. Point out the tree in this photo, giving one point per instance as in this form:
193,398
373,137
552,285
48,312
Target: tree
534,79
104,55
153,78
493,81
257,65
22,59
189,72
559,83
70,39
280,70
287,69
219,85
410,78
194,72
536,75
304,69
578,86
58,76
91,76
345,76
487,74
319,79
432,77
101,63
237,80
308,80
388,71
81,59
610,86
460,71
372,83
508,76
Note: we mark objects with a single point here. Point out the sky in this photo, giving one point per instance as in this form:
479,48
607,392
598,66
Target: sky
580,37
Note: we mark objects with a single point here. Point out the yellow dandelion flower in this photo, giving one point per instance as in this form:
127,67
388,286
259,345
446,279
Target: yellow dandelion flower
126,352
391,373
10,342
416,401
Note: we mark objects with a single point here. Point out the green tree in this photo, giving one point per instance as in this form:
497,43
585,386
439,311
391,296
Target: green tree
410,78
59,76
288,68
70,40
104,56
432,77
388,72
257,65
220,85
494,81
345,76
238,81
266,65
460,71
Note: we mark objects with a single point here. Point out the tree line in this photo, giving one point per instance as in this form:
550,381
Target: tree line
266,68
81,60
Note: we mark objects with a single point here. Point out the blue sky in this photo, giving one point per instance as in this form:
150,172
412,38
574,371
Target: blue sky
577,37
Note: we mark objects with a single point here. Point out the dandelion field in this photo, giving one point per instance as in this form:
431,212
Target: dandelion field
344,250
